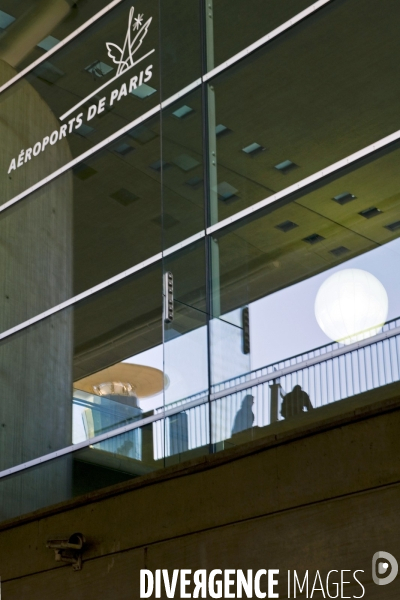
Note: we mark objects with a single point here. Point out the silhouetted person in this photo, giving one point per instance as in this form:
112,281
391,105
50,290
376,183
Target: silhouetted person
295,402
244,417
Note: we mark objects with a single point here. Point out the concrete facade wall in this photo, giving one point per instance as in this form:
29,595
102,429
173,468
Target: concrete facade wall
36,274
327,499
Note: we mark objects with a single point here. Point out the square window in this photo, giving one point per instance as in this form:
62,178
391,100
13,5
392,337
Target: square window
48,72
339,251
253,149
123,149
84,130
369,213
159,164
124,197
314,238
142,134
186,162
393,226
166,221
286,166
286,226
5,19
48,43
221,130
83,171
344,198
99,69
143,91
183,111
226,191
194,182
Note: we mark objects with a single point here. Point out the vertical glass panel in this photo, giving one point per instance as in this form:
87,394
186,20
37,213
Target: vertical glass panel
180,45
86,226
123,457
184,435
229,356
118,459
182,169
83,371
186,356
117,206
188,268
234,25
36,488
44,25
118,362
232,420
88,90
185,334
318,275
301,103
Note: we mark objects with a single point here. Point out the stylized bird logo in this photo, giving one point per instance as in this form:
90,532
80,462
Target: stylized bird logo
123,57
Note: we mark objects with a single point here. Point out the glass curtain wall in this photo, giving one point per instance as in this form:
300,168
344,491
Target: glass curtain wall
183,269
298,275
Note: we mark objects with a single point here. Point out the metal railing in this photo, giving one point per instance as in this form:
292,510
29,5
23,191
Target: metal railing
326,374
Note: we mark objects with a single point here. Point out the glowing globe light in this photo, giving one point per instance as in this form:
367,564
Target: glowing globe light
351,305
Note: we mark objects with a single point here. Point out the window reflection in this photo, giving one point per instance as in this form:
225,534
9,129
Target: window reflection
300,103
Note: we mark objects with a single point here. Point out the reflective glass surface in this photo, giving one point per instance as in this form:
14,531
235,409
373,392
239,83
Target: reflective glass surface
108,76
84,371
30,29
277,280
182,169
234,25
310,98
123,457
180,44
91,223
88,90
117,208
181,341
186,336
317,274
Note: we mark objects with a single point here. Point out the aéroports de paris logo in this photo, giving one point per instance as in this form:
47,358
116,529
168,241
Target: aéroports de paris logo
135,34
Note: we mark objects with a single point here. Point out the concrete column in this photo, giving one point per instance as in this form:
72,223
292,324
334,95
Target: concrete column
35,274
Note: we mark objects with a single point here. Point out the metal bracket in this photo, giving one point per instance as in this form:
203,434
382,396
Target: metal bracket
68,550
245,330
168,297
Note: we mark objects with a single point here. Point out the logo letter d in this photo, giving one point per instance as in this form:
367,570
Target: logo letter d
382,568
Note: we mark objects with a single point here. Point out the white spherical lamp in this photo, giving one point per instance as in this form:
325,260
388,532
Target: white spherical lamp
351,305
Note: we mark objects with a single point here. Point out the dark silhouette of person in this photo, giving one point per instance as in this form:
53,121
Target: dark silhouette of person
295,402
244,417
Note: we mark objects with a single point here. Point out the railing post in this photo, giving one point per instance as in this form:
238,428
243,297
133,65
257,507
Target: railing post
274,387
